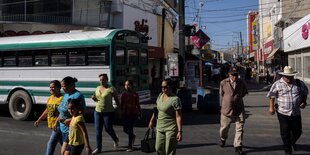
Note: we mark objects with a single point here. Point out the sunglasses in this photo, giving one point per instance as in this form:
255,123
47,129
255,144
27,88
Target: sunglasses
164,87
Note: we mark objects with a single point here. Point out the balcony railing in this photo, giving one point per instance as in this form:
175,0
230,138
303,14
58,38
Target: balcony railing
37,18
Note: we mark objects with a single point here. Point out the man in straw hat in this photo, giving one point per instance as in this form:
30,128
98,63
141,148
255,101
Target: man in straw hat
232,91
291,95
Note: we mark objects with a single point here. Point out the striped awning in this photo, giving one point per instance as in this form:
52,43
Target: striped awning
271,55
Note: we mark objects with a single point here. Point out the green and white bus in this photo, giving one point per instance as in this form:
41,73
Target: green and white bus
29,63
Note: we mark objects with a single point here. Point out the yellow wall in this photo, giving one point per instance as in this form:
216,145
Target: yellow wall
168,41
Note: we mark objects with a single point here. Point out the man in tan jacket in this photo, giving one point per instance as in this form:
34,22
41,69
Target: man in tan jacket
232,91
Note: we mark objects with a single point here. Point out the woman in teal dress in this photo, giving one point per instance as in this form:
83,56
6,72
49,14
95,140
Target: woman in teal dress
169,120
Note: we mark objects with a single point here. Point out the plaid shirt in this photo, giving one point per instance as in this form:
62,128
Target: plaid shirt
288,97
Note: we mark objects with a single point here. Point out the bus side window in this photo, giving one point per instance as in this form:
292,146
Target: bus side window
77,57
9,59
98,56
120,56
59,57
133,57
25,58
143,57
41,58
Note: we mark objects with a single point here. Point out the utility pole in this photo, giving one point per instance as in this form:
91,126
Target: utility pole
181,33
241,45
162,39
238,51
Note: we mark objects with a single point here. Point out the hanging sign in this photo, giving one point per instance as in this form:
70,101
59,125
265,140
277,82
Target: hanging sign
173,65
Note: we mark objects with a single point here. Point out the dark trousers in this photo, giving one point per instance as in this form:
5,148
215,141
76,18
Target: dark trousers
128,124
290,130
106,119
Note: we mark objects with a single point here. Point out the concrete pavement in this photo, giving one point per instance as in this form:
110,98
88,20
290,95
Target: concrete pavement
201,130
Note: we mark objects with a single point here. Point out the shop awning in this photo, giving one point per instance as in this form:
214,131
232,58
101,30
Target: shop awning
270,56
156,52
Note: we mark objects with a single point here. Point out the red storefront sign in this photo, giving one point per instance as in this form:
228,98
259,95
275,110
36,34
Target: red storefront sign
305,31
200,39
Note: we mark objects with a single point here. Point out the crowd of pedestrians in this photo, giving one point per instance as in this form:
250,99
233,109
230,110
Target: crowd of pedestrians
64,113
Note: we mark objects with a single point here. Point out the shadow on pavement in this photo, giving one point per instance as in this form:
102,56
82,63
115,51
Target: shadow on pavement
183,146
250,149
257,106
300,147
197,117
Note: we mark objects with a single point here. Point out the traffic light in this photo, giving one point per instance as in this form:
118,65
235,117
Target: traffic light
189,30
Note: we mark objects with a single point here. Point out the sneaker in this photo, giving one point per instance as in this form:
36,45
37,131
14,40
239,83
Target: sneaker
115,145
130,149
222,143
96,151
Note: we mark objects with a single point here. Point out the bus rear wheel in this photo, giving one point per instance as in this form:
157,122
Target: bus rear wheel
20,105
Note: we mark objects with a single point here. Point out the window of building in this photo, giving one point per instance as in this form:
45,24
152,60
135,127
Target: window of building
291,62
298,66
306,67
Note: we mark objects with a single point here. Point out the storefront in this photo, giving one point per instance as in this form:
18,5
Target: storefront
297,46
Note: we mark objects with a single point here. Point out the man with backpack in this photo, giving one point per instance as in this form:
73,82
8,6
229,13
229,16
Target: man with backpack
291,96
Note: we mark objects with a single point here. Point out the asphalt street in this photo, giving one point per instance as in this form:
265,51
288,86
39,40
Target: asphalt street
200,133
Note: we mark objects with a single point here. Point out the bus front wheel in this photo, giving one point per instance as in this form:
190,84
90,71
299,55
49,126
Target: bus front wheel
20,105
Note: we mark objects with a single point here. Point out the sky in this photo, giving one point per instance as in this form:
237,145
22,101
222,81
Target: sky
221,20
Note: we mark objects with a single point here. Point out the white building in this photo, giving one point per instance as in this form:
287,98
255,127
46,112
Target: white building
297,45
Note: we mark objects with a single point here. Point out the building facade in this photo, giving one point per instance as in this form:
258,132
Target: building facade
297,46
274,17
20,17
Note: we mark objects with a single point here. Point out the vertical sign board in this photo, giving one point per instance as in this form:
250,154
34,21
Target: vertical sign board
173,65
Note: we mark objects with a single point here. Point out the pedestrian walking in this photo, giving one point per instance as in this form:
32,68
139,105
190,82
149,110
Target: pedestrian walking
169,120
78,136
290,95
130,108
68,85
268,77
232,91
104,111
51,113
277,76
153,75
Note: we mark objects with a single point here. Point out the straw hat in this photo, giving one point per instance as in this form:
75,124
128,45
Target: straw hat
288,71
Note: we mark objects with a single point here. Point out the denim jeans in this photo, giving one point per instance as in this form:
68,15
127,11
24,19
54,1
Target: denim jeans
290,129
56,137
106,119
128,124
